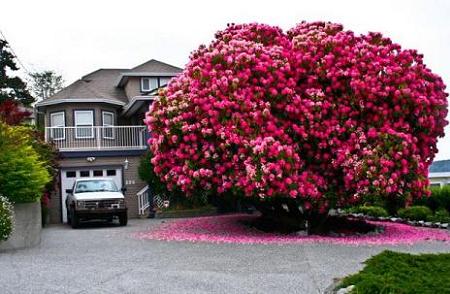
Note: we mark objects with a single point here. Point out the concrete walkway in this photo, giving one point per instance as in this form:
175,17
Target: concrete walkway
106,259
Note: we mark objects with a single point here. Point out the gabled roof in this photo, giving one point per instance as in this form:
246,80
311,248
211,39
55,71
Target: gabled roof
154,65
104,85
98,86
440,166
150,68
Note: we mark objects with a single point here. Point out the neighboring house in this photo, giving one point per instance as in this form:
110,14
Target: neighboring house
97,125
439,173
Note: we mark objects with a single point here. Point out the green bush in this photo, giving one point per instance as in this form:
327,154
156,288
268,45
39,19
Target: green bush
23,175
440,198
415,213
375,211
6,218
390,204
441,215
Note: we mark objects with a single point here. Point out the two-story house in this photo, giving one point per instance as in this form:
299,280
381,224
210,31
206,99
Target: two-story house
96,123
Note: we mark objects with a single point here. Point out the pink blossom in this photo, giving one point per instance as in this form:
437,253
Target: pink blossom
302,114
230,229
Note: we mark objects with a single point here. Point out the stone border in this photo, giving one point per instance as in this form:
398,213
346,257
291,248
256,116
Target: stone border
421,223
27,227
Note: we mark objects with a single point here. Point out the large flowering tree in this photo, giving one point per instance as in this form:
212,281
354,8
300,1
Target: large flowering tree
317,115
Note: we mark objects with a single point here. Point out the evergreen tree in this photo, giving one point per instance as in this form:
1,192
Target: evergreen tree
11,87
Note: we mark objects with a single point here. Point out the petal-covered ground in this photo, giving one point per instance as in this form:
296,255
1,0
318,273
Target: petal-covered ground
231,229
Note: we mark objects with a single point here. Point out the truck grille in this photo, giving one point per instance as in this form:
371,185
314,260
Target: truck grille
92,204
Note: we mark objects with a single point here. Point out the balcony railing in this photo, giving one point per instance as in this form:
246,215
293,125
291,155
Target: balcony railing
92,138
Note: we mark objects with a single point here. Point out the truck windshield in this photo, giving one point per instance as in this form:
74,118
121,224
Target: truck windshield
95,186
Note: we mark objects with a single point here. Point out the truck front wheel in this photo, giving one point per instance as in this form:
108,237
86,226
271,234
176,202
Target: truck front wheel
123,219
74,221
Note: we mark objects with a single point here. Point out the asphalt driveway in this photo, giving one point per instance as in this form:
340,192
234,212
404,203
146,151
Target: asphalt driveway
106,259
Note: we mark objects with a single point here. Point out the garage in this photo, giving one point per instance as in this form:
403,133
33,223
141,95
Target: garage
69,175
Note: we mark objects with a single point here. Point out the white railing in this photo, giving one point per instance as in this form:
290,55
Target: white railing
97,137
143,203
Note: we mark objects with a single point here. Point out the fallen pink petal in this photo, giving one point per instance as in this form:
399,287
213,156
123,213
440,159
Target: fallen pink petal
230,229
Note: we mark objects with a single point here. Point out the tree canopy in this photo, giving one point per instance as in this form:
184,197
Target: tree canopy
45,83
12,88
319,115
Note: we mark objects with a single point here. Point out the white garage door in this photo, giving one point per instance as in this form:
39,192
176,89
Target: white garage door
68,177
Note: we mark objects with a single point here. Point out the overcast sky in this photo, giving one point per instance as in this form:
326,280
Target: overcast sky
77,37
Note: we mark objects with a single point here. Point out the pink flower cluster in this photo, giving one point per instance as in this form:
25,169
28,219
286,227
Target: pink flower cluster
313,112
230,229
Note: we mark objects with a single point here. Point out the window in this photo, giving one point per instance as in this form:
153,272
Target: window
163,81
98,173
148,84
111,172
57,124
84,173
87,186
84,121
435,185
108,123
71,174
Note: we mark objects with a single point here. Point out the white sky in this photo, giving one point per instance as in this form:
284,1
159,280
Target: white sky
77,37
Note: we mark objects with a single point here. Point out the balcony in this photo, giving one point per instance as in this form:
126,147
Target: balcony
97,138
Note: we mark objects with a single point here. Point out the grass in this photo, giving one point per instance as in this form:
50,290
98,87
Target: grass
393,272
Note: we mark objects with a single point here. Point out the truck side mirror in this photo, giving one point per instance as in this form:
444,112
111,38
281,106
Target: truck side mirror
124,189
69,191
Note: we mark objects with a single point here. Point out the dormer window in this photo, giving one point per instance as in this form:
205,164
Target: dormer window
163,81
149,84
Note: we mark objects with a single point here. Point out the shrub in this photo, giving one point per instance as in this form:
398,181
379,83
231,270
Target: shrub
441,215
11,112
318,114
23,175
375,211
6,218
439,198
415,213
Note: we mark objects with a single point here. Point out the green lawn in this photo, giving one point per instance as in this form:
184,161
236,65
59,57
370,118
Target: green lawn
393,272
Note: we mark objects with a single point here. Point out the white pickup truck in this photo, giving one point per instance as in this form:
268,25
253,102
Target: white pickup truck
95,198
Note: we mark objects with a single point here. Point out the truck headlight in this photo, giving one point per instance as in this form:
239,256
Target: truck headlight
80,204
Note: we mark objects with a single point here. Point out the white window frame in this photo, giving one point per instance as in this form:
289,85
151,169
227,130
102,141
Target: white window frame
53,128
105,126
160,82
83,125
150,89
